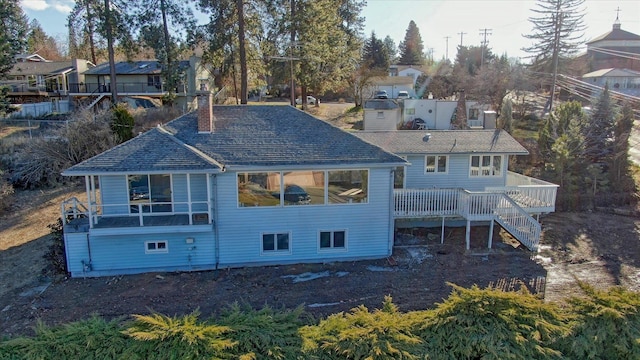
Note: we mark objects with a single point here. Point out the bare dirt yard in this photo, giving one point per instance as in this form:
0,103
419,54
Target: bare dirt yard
599,248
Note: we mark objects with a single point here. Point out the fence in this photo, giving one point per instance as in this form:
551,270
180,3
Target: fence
41,109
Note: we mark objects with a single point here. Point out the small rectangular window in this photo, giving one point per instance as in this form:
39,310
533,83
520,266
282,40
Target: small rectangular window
380,115
155,247
435,164
486,165
276,242
333,240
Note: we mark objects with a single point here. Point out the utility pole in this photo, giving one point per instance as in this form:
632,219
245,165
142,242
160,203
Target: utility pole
447,40
461,35
484,32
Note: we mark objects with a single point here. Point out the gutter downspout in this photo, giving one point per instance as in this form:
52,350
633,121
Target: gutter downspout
392,223
216,233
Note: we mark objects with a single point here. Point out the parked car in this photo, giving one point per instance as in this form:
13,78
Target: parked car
403,95
296,195
381,94
310,100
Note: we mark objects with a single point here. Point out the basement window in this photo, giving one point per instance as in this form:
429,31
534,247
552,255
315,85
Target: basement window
156,247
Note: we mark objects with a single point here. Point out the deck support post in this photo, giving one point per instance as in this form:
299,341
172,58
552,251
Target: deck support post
468,235
442,232
490,235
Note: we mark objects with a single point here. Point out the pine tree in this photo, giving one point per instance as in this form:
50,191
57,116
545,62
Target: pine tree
154,22
619,169
39,42
599,132
557,34
412,48
12,33
392,50
506,116
375,54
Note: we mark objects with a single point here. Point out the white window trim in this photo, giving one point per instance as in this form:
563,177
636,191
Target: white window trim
173,201
436,172
480,167
275,252
404,178
332,248
156,250
326,188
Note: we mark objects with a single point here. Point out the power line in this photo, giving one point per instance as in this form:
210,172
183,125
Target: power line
461,35
447,40
484,32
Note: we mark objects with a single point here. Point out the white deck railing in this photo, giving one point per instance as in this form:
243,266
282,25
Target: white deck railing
534,195
73,209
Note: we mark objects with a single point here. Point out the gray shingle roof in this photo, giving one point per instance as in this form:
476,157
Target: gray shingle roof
152,151
40,68
140,67
128,68
245,136
616,34
444,141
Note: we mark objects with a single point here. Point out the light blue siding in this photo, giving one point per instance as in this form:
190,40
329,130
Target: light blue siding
114,190
125,254
109,251
367,225
456,177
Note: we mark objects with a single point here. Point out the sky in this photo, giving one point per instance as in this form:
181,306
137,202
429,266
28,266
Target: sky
505,21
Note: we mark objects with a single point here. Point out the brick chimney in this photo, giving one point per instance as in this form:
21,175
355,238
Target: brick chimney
205,112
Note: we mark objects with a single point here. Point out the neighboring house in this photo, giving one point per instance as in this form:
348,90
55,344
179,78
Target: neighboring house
614,49
462,176
141,78
620,80
437,114
412,71
430,113
392,85
236,186
32,80
381,114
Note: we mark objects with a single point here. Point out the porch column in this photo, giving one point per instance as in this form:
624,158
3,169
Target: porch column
490,235
87,183
189,198
442,232
208,176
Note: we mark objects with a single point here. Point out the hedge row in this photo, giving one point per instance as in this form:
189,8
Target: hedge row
470,324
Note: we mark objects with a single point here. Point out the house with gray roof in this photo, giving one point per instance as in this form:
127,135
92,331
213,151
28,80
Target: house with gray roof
142,79
233,186
461,177
33,79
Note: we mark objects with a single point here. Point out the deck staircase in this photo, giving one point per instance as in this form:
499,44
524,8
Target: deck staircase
96,100
518,222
